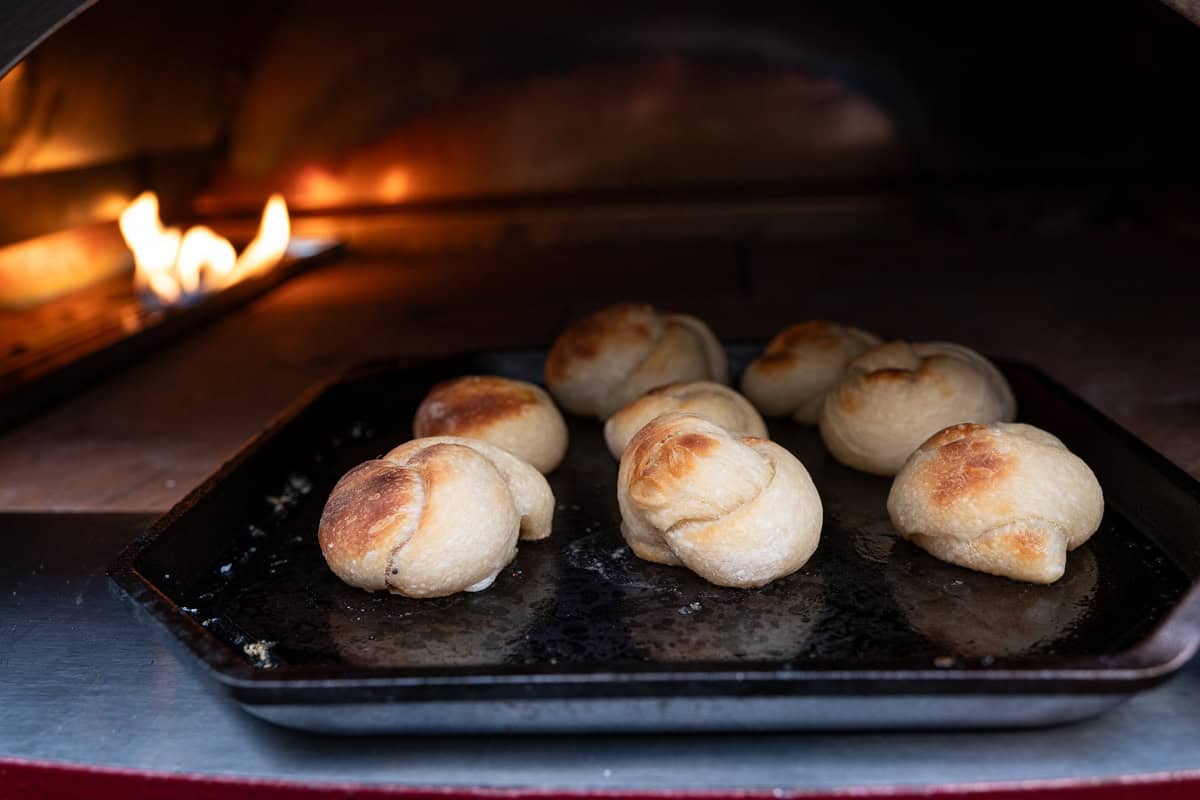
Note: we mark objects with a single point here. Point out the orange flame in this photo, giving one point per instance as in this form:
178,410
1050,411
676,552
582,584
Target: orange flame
204,256
155,249
271,243
175,268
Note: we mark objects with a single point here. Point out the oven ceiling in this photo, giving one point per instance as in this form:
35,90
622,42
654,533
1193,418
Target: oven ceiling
217,103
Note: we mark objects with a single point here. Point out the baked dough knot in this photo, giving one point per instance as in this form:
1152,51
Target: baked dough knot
617,354
515,415
737,510
433,517
713,401
800,365
895,396
1006,499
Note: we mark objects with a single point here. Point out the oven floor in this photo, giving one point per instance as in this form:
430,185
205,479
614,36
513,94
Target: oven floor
1110,316
133,705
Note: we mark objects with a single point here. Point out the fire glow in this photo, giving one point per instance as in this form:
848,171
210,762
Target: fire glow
173,267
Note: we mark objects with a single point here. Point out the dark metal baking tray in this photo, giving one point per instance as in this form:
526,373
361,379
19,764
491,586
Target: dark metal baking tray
578,635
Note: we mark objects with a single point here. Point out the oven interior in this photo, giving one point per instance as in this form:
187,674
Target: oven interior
1022,181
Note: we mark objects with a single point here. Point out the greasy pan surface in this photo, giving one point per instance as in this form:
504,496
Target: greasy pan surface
237,564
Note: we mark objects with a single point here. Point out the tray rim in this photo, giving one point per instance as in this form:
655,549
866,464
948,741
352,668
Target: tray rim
1166,648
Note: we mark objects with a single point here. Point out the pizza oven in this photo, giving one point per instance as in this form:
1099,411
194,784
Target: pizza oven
460,177
466,177
240,242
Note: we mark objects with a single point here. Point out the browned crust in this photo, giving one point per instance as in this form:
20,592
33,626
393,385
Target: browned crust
780,355
661,463
469,404
438,464
621,324
951,434
1023,545
364,503
665,450
669,389
771,363
849,399
964,467
696,443
644,441
433,466
813,333
850,395
888,375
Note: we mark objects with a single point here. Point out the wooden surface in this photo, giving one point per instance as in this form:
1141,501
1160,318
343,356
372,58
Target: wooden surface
1124,337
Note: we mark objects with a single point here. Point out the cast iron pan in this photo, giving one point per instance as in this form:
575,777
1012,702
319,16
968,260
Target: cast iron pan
579,635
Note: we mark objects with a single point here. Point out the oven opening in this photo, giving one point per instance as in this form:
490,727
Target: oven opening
154,157
481,177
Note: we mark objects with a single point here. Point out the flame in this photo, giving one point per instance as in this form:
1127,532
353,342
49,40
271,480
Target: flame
204,253
271,242
155,249
173,268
